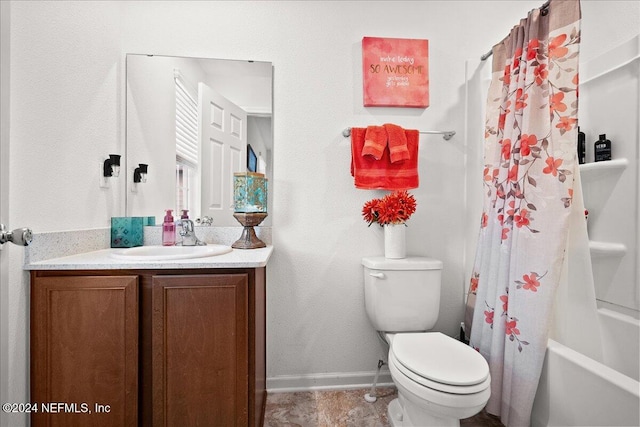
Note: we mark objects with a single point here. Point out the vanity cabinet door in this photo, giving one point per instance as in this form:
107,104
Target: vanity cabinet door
199,350
84,350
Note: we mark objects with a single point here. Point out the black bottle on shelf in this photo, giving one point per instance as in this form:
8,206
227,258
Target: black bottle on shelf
602,149
582,146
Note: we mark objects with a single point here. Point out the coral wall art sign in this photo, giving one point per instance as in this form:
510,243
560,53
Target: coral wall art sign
395,72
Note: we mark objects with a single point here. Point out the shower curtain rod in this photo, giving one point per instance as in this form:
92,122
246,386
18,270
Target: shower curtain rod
446,134
544,9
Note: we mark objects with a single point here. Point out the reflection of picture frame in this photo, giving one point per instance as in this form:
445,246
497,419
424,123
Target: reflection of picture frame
252,160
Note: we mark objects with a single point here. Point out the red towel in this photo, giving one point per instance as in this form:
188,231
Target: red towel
372,174
375,142
397,143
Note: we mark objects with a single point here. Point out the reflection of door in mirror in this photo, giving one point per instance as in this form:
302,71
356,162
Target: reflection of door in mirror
223,151
163,131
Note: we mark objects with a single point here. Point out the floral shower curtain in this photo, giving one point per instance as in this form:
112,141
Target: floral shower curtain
530,164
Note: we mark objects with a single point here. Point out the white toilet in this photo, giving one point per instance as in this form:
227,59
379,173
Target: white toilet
440,380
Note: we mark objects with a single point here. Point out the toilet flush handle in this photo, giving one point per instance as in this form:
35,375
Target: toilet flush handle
377,275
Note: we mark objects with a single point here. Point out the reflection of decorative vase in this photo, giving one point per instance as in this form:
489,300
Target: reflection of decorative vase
395,241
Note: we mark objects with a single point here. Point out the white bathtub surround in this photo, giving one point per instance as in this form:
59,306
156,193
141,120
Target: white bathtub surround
530,161
581,384
576,390
575,321
610,101
620,344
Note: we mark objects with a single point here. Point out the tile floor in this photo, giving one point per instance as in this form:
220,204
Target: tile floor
337,408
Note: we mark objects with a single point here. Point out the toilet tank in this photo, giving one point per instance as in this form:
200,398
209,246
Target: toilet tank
402,295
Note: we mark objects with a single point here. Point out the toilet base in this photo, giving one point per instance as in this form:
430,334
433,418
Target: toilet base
402,415
394,413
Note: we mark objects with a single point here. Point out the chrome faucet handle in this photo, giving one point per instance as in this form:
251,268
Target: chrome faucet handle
205,220
19,236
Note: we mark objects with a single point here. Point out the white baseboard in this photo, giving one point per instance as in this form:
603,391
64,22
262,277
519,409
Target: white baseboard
329,381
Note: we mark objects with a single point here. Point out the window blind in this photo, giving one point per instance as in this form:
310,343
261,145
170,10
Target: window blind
186,124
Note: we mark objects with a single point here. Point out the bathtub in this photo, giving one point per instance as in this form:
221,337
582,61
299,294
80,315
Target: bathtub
575,390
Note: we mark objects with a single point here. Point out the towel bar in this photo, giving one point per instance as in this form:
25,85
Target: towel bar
446,134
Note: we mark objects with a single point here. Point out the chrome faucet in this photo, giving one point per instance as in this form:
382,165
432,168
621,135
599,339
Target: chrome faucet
188,234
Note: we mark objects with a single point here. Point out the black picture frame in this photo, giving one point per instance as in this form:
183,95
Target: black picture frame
252,160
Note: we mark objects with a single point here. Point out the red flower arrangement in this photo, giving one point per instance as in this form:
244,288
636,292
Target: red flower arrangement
394,208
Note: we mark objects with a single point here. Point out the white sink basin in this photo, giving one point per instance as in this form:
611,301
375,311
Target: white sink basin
167,253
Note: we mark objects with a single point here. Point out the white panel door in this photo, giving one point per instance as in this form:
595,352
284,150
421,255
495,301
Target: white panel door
223,151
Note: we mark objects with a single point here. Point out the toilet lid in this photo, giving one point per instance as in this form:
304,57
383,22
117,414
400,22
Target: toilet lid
439,358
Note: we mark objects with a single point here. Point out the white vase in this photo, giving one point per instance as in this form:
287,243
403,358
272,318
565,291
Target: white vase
395,241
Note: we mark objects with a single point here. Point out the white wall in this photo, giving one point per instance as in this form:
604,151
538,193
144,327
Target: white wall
64,118
67,96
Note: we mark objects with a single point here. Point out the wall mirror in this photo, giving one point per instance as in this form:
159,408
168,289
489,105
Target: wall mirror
194,122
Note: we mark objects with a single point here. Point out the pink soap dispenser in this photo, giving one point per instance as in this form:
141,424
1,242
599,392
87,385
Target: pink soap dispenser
168,230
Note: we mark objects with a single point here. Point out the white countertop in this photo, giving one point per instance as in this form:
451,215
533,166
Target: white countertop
102,260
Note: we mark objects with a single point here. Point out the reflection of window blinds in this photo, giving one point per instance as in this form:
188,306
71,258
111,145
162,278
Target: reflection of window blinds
186,124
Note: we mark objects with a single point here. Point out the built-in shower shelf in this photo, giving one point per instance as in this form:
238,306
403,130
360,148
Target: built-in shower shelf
597,169
606,249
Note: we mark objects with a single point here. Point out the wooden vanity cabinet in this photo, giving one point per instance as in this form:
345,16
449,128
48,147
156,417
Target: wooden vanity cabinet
160,347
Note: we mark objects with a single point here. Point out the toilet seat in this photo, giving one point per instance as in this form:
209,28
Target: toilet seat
439,362
450,405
